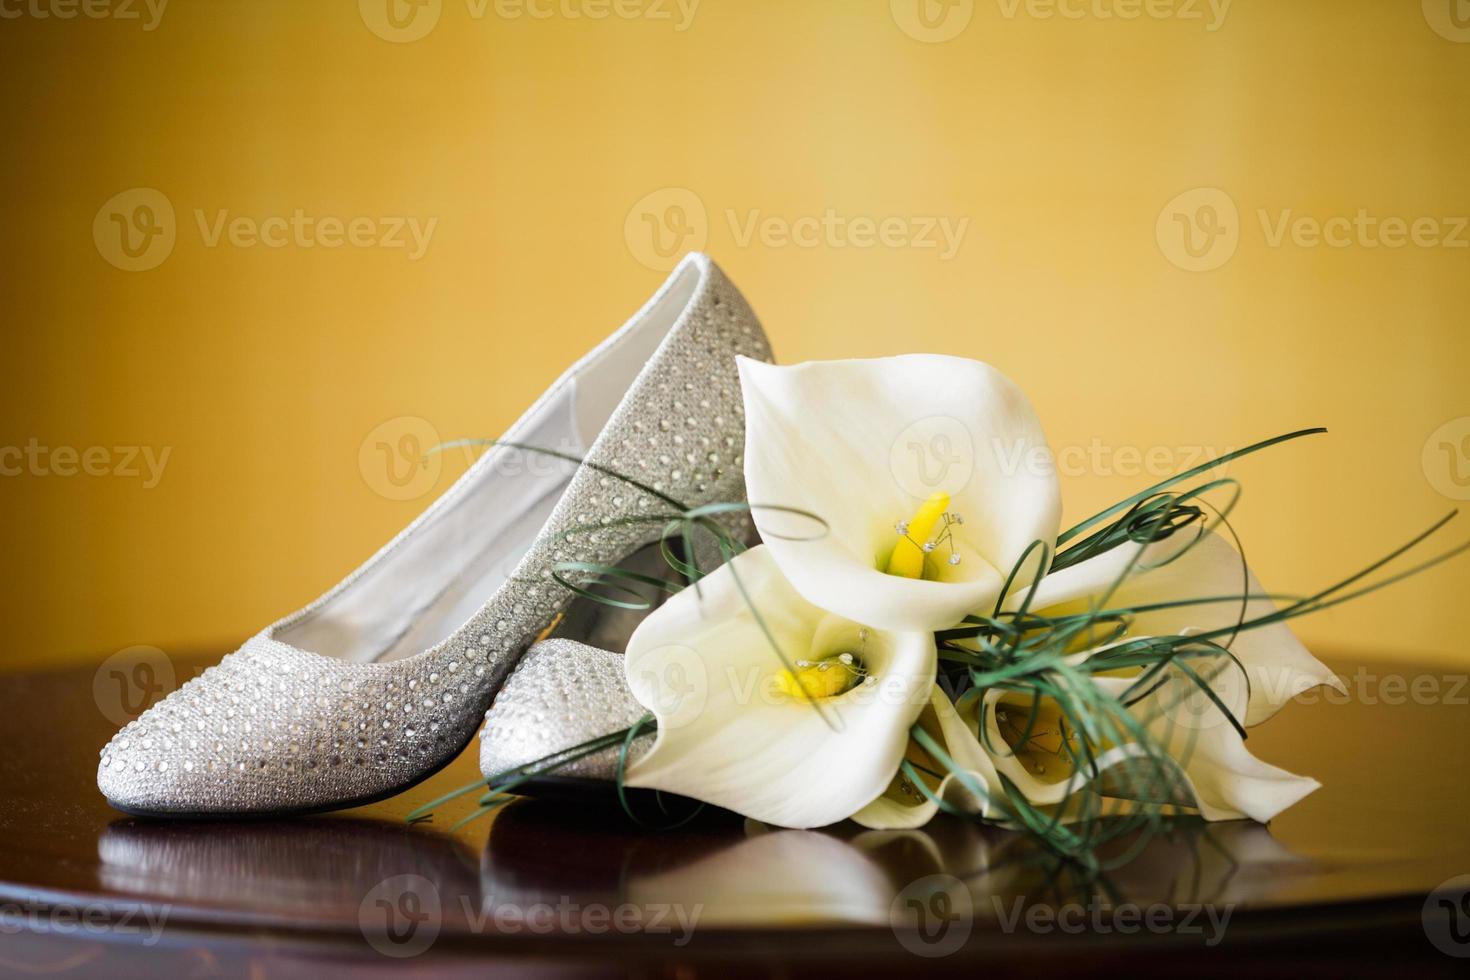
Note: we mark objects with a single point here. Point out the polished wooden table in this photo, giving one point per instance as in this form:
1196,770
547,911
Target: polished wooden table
1361,876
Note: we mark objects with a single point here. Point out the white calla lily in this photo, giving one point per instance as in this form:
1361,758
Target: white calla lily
1162,584
787,876
1217,774
932,479
931,474
1176,573
1227,781
738,730
968,788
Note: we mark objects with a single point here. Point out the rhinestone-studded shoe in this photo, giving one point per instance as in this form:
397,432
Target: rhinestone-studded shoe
562,694
384,679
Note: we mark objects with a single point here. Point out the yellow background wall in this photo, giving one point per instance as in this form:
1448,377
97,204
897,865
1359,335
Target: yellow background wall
538,144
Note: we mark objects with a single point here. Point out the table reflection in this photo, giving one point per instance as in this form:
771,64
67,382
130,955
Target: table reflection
743,873
739,873
315,868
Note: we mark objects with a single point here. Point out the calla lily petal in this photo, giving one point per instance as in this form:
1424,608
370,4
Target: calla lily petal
863,445
1224,780
788,876
704,666
900,810
1189,567
1228,781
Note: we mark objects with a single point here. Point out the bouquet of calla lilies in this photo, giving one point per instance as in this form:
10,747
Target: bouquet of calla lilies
917,633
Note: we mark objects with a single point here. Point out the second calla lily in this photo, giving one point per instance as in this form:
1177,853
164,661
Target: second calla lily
930,474
801,747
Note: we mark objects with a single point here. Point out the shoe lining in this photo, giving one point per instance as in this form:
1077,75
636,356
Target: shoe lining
435,577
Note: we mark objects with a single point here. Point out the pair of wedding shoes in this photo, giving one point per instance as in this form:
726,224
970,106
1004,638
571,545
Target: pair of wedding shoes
384,679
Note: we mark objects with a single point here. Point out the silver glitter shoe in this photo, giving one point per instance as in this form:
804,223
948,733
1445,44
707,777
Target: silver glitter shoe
561,694
384,679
